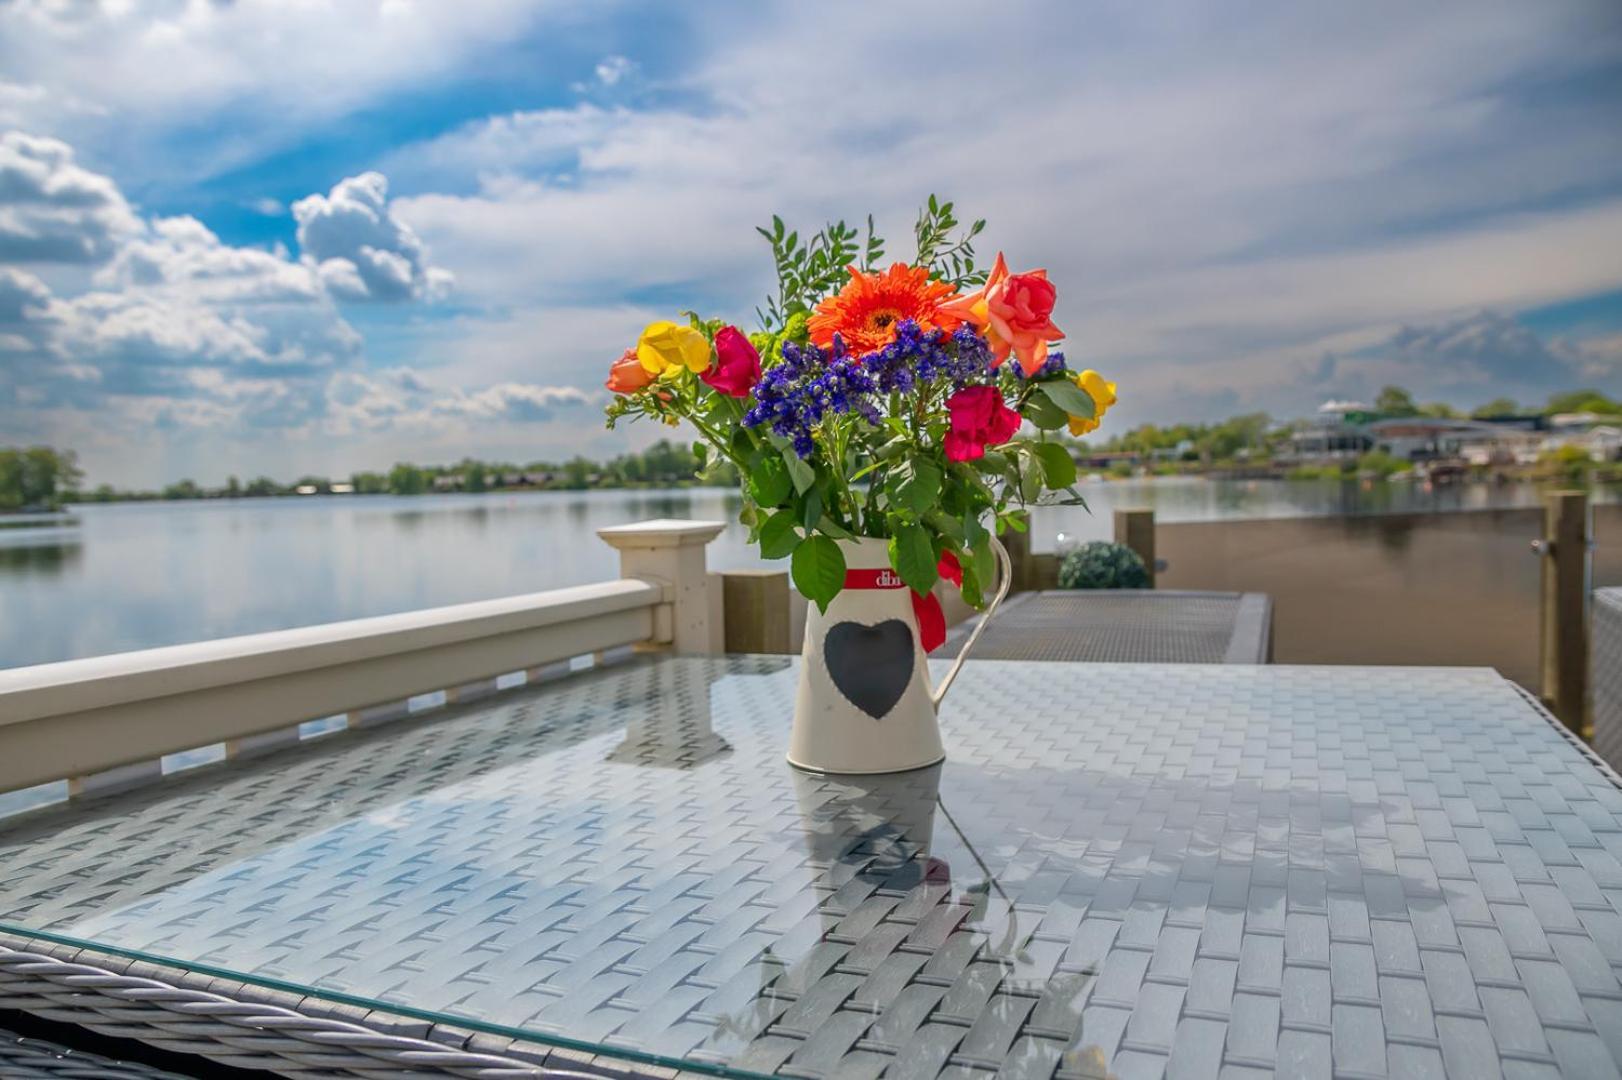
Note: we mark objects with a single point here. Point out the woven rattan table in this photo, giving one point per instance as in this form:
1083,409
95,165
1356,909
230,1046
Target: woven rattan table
1123,870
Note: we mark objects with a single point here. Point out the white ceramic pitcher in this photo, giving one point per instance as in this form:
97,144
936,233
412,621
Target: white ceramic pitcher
864,702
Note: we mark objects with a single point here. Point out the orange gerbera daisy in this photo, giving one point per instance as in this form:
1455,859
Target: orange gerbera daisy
865,312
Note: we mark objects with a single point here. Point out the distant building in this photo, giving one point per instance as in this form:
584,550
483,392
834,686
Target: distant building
1579,421
448,482
1602,443
1423,438
1517,421
1346,430
1334,434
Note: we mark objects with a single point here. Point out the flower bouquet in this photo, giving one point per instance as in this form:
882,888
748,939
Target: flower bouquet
875,421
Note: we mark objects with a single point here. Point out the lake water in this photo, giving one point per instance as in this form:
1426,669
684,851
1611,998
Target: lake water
145,574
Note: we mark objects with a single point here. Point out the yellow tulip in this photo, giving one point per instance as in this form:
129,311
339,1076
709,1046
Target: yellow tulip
665,348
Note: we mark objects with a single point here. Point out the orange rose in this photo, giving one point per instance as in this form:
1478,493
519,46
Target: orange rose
627,375
1015,313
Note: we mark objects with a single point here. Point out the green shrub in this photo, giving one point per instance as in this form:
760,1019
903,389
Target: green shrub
1099,564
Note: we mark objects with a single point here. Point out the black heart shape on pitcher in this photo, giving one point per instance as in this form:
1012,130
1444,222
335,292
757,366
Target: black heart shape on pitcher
871,665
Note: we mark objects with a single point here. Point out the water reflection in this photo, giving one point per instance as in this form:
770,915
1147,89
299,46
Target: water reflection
43,558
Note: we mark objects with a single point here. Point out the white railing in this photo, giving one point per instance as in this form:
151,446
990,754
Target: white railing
107,720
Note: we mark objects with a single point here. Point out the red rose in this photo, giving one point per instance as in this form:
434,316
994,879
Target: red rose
737,364
978,418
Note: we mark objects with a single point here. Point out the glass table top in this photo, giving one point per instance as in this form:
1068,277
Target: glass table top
1119,869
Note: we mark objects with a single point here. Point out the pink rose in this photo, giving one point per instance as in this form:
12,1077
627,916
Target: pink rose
737,364
978,418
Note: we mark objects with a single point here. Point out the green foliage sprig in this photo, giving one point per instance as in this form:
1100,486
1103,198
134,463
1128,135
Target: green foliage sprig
806,273
948,260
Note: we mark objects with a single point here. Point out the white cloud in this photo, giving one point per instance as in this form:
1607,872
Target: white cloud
362,252
176,329
51,209
131,72
612,70
401,400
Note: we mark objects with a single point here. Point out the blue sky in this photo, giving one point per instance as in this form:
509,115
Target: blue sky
303,236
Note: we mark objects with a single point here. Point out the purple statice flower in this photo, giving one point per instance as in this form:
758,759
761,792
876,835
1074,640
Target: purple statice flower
1052,366
918,355
794,395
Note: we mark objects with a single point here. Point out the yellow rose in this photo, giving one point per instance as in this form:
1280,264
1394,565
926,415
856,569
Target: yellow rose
665,348
1103,395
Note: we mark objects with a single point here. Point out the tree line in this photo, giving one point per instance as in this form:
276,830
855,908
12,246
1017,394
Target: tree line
36,477
664,464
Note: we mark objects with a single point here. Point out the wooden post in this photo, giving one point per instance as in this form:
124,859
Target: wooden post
1019,556
1563,638
1136,529
757,616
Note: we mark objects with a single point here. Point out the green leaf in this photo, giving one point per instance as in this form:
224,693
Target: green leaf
985,561
769,482
830,527
916,486
801,473
1057,465
913,557
971,590
777,536
811,508
992,461
1069,397
947,526
818,569
974,533
1030,477
1041,411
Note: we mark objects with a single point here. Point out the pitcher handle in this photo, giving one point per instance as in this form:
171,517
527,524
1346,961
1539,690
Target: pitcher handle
1007,574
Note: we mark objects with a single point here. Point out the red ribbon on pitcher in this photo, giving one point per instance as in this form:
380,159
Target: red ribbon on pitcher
926,607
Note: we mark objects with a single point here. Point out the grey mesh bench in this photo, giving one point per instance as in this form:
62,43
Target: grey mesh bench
1155,626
